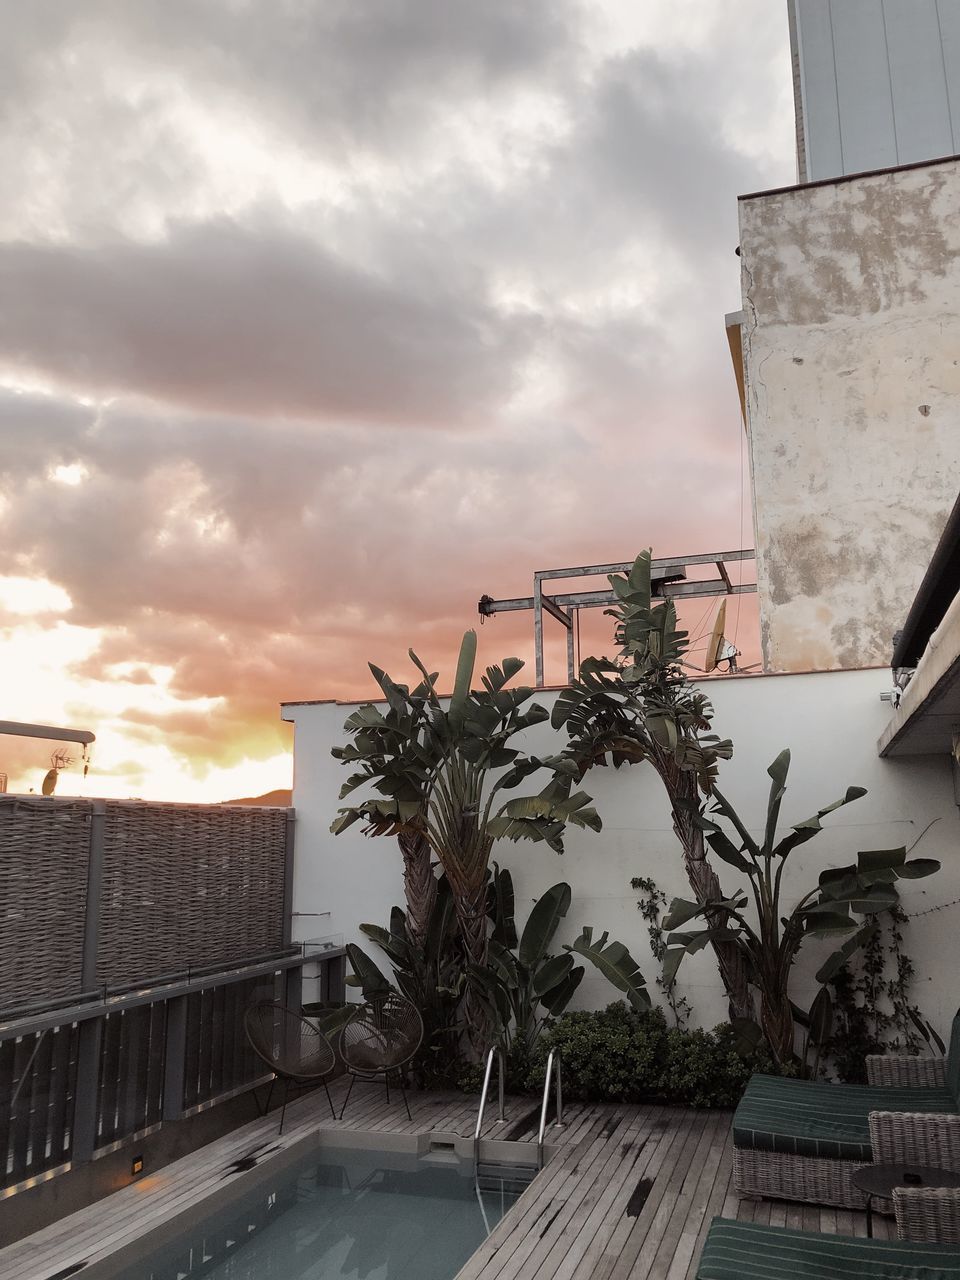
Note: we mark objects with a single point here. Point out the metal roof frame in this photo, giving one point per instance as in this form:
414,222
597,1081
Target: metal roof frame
668,576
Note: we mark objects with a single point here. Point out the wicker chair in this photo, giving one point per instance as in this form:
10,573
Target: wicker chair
383,1037
927,1215
804,1140
292,1047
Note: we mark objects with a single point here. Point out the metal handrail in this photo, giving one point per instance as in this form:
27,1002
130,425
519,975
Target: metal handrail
483,1098
558,1123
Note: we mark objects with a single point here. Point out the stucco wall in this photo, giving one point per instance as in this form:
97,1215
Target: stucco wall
831,722
851,346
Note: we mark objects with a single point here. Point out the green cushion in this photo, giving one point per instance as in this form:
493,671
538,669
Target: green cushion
813,1118
953,1060
748,1251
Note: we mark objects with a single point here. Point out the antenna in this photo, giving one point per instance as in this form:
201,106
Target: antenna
716,643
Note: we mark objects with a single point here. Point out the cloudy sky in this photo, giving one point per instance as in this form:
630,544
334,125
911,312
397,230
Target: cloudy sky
322,318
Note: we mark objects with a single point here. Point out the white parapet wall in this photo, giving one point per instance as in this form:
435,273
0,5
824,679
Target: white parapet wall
831,722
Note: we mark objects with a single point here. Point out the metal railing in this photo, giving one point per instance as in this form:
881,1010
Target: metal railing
558,1122
494,1052
84,1080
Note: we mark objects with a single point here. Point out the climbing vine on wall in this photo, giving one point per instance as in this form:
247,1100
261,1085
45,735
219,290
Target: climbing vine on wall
872,1006
651,906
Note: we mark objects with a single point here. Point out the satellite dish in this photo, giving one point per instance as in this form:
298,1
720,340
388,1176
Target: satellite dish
716,642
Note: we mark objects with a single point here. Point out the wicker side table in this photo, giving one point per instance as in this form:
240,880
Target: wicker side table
877,1181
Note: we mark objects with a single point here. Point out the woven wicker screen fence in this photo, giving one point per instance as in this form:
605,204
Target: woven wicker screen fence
178,887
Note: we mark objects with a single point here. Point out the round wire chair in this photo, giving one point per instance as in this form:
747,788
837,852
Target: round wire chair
381,1038
293,1048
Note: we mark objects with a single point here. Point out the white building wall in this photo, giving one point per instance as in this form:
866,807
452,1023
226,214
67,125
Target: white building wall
831,722
876,82
851,352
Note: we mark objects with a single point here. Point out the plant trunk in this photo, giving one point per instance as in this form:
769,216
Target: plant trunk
685,802
472,919
776,1021
419,883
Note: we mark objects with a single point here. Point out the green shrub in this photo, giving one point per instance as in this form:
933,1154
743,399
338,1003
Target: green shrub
620,1055
611,1056
704,1069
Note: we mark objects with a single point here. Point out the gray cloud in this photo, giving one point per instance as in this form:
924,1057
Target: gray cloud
220,316
326,419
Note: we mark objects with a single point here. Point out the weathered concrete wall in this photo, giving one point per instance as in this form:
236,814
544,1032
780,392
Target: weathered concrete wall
852,364
831,722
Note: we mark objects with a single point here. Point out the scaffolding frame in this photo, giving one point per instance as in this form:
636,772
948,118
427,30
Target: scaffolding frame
668,578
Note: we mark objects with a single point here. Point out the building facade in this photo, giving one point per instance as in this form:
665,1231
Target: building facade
850,337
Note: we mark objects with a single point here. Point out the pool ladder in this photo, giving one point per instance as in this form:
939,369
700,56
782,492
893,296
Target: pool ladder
553,1076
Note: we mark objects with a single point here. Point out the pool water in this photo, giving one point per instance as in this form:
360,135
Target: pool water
341,1215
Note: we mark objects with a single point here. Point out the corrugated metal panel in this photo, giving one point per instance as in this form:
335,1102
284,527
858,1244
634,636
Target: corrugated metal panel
879,82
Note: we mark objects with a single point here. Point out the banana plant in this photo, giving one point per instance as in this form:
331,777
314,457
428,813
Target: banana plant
844,904
391,753
641,708
523,983
522,988
455,765
430,974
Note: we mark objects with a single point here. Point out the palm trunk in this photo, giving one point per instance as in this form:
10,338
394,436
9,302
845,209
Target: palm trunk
776,1021
419,883
472,918
685,802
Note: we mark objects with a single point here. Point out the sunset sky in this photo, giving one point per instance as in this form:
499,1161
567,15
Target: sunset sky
323,318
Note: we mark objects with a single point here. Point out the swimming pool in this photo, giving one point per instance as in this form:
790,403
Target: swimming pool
339,1214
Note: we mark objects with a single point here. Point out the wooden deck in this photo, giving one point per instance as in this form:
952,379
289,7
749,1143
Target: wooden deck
629,1192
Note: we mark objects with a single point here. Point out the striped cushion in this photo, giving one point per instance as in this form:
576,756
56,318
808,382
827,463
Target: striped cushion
953,1060
813,1118
748,1251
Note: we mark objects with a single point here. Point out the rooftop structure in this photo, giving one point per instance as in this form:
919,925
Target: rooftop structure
876,83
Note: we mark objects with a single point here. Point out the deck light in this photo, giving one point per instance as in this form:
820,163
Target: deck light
136,1166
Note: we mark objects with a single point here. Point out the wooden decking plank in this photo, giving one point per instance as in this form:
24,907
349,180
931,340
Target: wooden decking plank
521,1257
697,1211
722,1185
643,1242
674,1216
528,1208
582,1241
625,1234
559,1243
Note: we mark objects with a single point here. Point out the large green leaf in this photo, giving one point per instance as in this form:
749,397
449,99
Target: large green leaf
368,977
557,998
918,868
821,1018
459,700
502,907
504,963
551,973
681,911
835,962
542,924
615,963
869,860
396,949
778,784
806,830
724,848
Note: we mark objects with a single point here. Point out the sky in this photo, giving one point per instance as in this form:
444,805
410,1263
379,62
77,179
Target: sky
323,318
